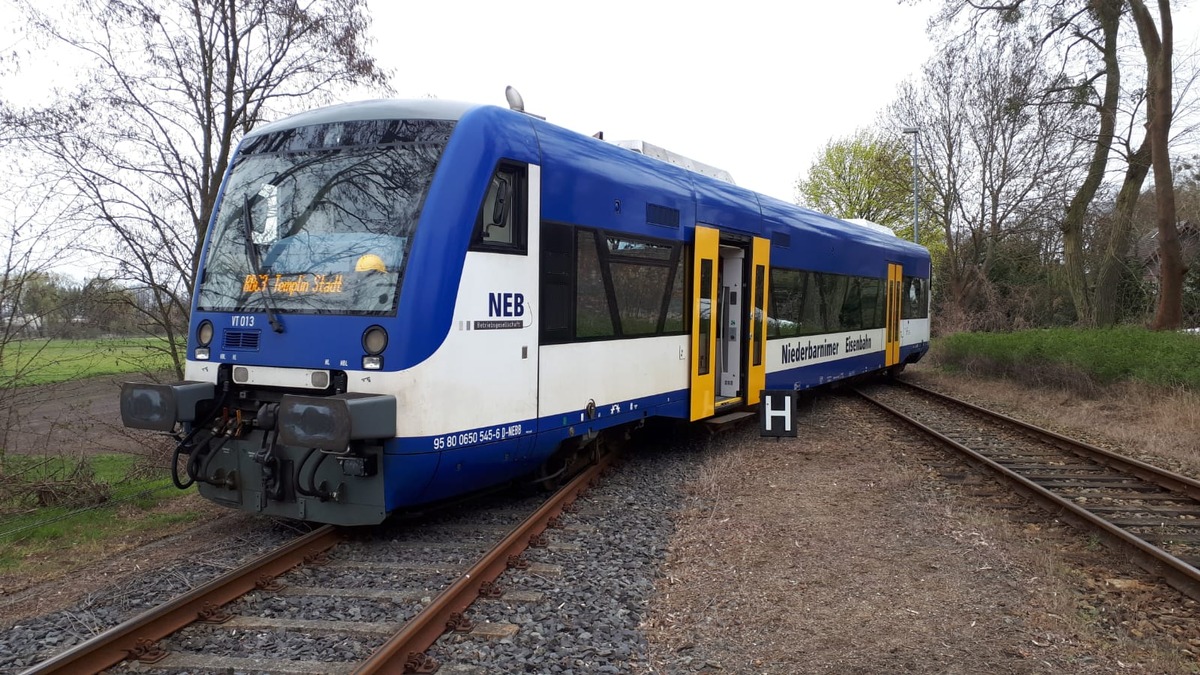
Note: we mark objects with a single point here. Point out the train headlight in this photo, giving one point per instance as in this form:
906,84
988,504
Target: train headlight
204,335
331,422
159,406
374,340
319,379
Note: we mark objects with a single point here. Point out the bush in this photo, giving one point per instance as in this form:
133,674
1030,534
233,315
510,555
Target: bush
1078,359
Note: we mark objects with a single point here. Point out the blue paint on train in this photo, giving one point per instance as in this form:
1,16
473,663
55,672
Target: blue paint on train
585,182
819,374
481,138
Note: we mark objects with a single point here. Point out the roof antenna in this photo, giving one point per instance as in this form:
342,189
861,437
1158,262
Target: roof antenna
516,102
514,98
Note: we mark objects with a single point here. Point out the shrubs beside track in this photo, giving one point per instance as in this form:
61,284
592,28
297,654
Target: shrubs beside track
53,504
1077,359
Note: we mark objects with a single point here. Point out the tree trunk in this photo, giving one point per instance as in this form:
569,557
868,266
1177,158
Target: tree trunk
1158,48
1116,245
1108,13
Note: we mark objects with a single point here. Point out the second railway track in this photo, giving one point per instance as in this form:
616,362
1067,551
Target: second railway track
1150,512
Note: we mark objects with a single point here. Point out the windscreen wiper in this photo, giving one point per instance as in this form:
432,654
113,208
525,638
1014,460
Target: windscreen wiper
256,265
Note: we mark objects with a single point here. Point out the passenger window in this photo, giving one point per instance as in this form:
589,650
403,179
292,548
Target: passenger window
500,225
915,301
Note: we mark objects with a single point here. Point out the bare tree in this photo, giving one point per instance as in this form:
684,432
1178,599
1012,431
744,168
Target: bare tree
29,251
1080,37
1158,46
1002,156
1087,37
1116,241
934,106
173,86
1100,33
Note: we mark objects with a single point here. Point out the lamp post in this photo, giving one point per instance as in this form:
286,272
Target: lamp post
916,176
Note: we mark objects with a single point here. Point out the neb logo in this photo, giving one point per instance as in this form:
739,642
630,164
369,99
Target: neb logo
506,304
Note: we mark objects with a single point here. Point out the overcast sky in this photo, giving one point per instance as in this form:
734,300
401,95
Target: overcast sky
755,87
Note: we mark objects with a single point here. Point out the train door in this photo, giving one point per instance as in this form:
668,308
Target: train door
729,290
892,328
704,329
729,326
756,312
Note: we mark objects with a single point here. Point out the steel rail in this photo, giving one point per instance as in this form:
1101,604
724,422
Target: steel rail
405,650
1167,479
127,639
1178,573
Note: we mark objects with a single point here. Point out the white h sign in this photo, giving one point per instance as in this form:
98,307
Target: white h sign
777,413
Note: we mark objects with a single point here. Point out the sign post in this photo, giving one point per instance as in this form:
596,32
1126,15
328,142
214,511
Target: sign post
777,413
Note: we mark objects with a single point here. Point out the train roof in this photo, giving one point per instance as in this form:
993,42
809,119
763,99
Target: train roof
651,150
395,109
583,175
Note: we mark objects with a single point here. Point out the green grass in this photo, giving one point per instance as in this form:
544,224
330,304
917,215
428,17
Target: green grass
115,478
45,533
30,362
105,468
1126,354
68,543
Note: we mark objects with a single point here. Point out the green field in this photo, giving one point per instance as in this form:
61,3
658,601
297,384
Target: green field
48,504
29,362
1099,356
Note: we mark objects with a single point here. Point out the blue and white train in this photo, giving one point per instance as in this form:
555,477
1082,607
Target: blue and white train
401,302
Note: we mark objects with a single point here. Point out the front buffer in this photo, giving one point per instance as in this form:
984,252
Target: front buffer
317,458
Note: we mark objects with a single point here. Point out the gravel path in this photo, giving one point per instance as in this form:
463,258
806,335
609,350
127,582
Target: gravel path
605,560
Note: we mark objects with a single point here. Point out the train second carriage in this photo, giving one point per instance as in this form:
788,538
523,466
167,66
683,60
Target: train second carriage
401,302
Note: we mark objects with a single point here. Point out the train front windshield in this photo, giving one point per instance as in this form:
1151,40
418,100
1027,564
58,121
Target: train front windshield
318,219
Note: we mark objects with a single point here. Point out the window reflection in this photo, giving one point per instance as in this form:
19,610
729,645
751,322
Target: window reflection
811,303
328,226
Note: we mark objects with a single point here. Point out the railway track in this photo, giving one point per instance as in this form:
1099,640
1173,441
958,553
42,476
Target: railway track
1150,512
374,604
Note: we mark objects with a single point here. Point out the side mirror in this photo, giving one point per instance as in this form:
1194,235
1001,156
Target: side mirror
503,192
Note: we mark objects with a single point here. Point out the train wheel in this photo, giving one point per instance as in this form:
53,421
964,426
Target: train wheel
563,465
552,474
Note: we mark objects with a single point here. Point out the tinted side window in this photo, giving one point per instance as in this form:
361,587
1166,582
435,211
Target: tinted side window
810,303
787,301
873,302
593,314
598,285
851,313
558,282
674,319
500,226
642,277
914,303
832,290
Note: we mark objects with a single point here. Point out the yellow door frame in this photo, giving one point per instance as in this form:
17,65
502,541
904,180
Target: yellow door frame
892,339
703,371
756,345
